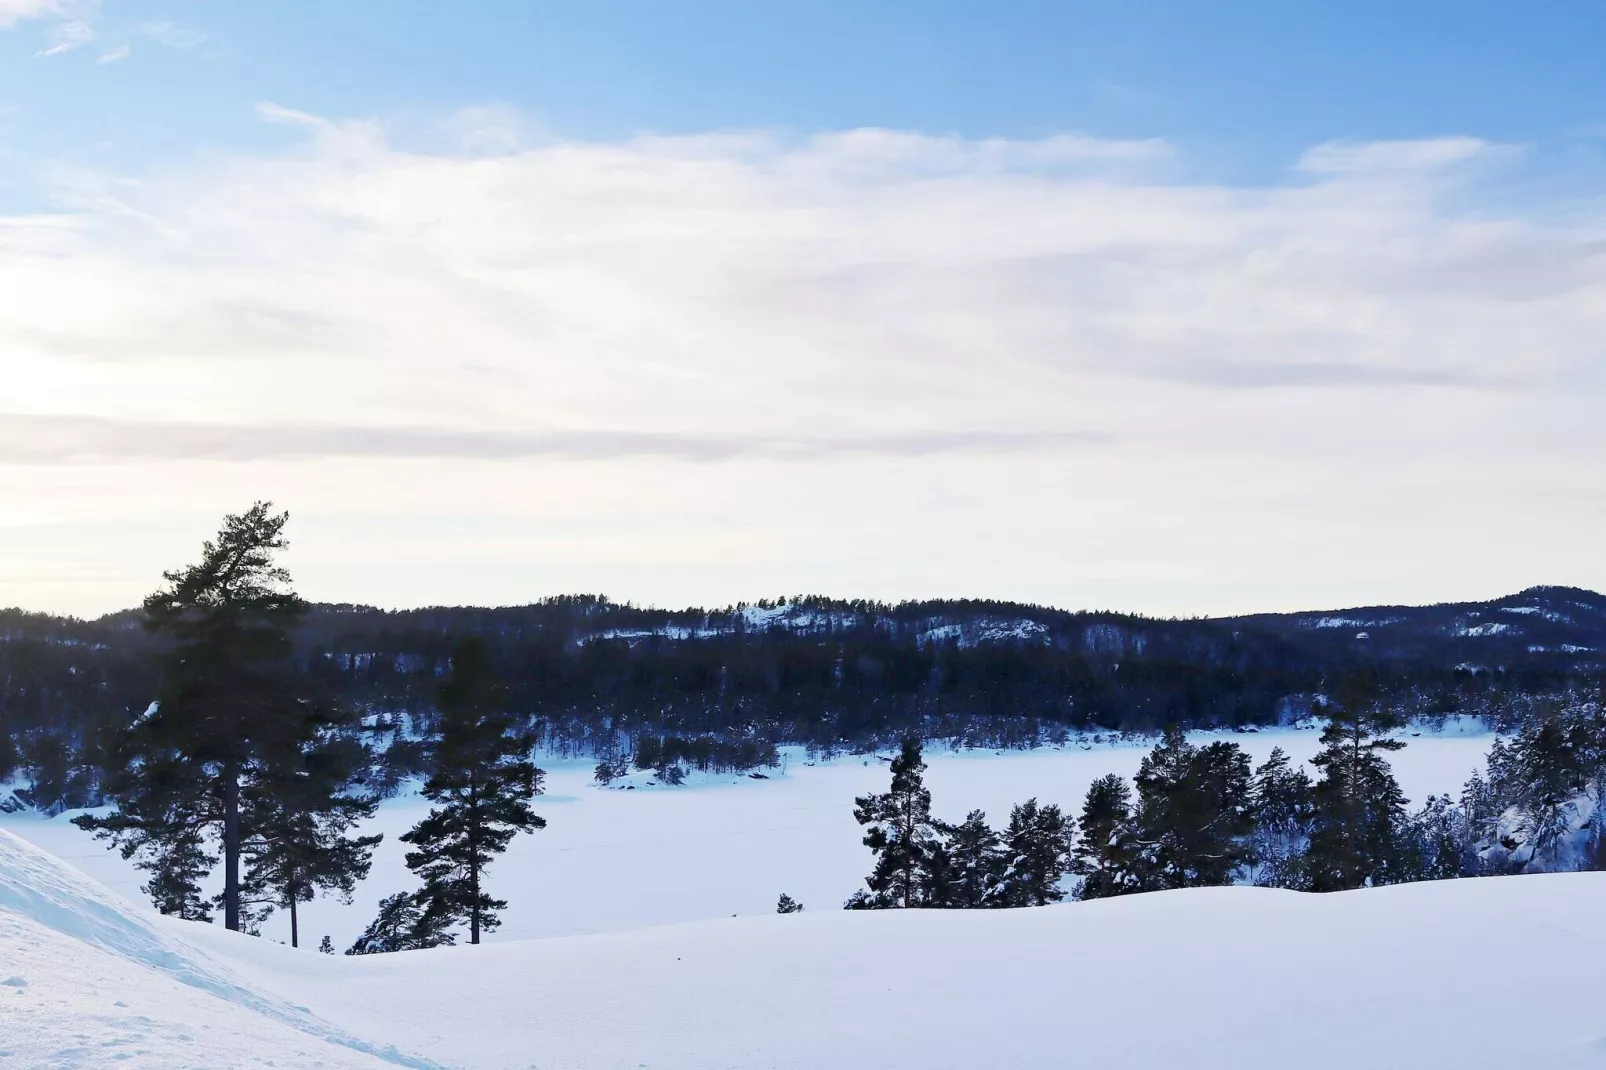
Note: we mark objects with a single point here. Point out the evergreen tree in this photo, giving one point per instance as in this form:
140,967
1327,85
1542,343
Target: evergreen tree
1360,811
787,905
902,834
230,715
1543,780
1195,814
406,922
1438,842
300,827
1037,847
177,865
1103,853
326,946
482,784
976,862
1284,806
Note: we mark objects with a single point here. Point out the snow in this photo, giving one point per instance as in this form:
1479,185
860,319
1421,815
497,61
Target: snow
96,980
1477,630
1465,974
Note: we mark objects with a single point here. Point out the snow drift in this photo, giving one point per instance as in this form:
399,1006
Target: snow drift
1490,973
91,980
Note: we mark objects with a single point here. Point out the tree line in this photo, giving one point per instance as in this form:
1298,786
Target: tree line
1200,816
722,689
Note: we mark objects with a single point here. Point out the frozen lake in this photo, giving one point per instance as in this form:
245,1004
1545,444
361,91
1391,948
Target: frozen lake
613,859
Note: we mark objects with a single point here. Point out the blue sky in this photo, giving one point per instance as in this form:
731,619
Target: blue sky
1246,86
1179,308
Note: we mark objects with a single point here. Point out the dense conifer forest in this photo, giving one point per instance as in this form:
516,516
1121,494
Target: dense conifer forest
720,689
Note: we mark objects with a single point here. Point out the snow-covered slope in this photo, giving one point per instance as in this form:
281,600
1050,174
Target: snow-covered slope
89,980
1466,974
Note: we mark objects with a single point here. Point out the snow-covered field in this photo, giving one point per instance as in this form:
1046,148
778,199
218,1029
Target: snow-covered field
1470,974
613,860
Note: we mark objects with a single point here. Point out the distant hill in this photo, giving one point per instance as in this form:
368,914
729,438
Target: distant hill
724,686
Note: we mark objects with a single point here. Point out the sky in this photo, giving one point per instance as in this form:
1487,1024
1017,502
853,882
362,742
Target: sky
1171,308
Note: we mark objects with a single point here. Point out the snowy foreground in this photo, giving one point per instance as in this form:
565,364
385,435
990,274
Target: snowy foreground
1497,972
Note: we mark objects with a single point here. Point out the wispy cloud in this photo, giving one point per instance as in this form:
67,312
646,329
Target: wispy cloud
114,55
50,440
15,11
173,35
1064,347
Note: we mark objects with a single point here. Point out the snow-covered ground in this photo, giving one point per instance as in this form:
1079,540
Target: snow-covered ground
613,859
1470,974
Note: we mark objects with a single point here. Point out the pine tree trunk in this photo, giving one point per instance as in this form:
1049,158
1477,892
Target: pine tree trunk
231,847
473,863
294,931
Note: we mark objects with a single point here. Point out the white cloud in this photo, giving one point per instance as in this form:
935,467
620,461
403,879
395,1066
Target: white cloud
70,22
114,55
15,11
173,35
878,363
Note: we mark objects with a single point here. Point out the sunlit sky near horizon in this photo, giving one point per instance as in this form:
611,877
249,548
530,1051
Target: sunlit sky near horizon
1171,308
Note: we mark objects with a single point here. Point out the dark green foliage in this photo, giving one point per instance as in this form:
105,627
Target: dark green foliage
902,834
1357,836
300,827
326,946
1284,804
1438,844
482,786
787,905
405,922
177,864
1037,853
233,713
975,864
1195,814
1104,850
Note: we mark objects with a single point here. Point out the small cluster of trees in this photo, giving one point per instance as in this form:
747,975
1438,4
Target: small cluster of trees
924,862
244,760
1540,806
1194,816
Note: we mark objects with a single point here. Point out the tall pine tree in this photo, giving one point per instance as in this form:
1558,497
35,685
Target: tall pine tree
1357,833
482,783
231,715
300,824
902,834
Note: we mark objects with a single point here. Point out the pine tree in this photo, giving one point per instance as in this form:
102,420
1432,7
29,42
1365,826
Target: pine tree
1103,853
1284,805
1438,843
231,713
326,946
1548,776
482,784
1360,811
902,834
976,861
787,905
1195,814
1037,848
300,825
177,865
406,922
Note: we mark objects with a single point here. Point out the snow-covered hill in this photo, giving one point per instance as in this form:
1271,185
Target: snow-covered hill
1464,974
